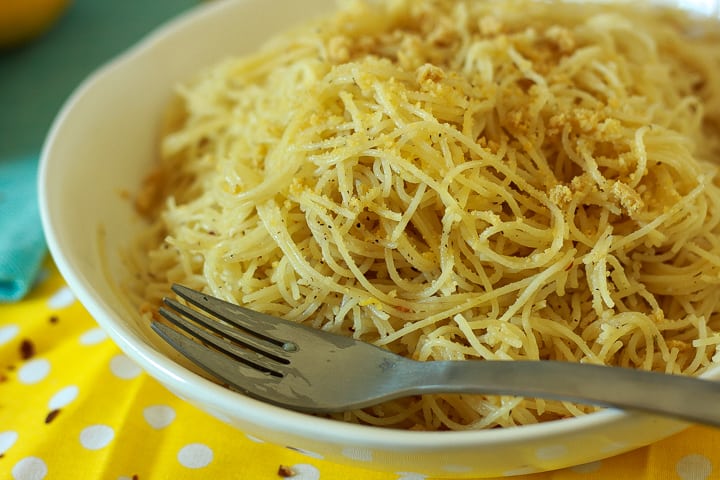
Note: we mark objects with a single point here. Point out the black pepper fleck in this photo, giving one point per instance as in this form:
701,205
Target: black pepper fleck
27,349
52,415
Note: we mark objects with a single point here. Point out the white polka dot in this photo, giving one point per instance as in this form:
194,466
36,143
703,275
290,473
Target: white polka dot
122,367
7,440
303,471
456,468
96,437
694,467
34,371
63,397
551,452
615,447
587,467
92,337
62,298
159,416
411,476
29,468
520,471
7,333
195,455
356,453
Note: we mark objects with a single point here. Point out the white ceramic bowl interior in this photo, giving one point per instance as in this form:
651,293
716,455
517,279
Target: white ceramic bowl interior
102,144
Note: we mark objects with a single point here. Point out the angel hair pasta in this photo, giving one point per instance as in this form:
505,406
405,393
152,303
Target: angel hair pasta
480,180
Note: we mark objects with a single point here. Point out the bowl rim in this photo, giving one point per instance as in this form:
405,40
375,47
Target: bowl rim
186,382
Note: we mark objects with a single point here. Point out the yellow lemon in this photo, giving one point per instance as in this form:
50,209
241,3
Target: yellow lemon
23,20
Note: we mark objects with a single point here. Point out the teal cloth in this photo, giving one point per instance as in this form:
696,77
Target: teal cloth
35,80
22,245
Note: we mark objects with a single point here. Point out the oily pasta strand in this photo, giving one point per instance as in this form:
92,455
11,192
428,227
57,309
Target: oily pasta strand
454,180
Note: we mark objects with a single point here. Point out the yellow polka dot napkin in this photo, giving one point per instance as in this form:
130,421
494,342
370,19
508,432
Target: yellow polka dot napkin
72,405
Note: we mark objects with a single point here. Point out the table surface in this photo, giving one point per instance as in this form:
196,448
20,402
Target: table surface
71,401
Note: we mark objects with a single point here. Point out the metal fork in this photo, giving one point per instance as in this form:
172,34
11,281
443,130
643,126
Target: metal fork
308,370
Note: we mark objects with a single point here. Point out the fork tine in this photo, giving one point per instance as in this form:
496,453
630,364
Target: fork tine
257,323
249,357
259,344
247,379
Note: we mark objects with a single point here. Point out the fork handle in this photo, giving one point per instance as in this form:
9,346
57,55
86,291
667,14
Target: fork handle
682,397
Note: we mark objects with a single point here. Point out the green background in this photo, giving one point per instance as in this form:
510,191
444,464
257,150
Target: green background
35,79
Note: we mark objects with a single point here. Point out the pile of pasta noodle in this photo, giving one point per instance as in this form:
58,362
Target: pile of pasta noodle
480,180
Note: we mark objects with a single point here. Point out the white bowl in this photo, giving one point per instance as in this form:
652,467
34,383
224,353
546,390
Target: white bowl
103,143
